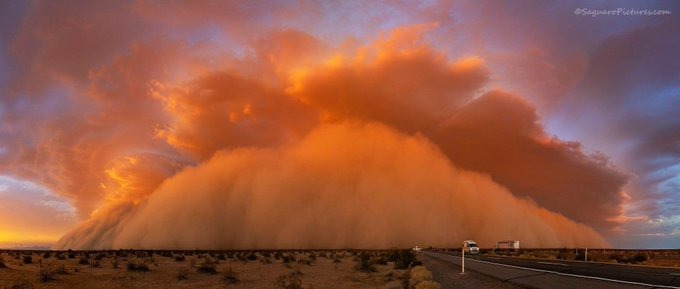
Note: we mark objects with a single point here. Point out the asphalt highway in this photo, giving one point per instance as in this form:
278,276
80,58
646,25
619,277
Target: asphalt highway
642,276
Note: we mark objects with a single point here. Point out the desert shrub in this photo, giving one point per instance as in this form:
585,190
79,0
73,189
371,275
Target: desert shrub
428,284
364,263
287,259
230,277
94,263
208,266
640,257
59,256
404,259
180,258
27,259
405,279
60,269
420,274
182,274
71,254
47,255
266,254
45,275
2,263
380,260
84,260
566,254
137,266
292,280
251,256
21,284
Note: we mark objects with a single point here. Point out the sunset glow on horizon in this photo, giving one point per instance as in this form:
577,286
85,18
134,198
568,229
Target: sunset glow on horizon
267,125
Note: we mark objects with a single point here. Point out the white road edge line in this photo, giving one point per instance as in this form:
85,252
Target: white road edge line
675,274
553,263
570,275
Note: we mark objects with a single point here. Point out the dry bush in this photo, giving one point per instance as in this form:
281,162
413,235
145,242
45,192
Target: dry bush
2,263
364,263
45,275
60,269
84,260
292,280
182,274
420,274
27,259
427,284
208,266
21,284
230,277
137,266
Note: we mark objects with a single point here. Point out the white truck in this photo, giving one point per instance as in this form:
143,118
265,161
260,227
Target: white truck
470,247
508,245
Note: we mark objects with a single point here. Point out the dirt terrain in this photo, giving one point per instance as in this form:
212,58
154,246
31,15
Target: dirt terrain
144,269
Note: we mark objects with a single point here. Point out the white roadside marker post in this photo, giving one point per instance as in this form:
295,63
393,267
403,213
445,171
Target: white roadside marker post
586,254
462,259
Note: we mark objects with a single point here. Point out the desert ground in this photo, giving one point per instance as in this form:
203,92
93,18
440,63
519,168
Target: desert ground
201,269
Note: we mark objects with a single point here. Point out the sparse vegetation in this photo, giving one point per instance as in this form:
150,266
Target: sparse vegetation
45,275
230,277
292,280
60,269
21,284
420,274
182,274
403,259
428,284
137,266
27,259
364,263
208,266
2,263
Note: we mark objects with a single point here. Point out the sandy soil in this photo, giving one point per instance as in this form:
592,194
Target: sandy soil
323,272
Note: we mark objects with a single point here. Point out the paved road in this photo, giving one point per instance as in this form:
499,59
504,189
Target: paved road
558,273
448,276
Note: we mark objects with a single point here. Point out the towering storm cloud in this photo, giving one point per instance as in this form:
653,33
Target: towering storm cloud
222,125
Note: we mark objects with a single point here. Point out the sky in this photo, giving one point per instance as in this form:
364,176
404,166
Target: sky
337,124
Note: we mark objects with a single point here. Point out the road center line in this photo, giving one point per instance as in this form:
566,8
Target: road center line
553,263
